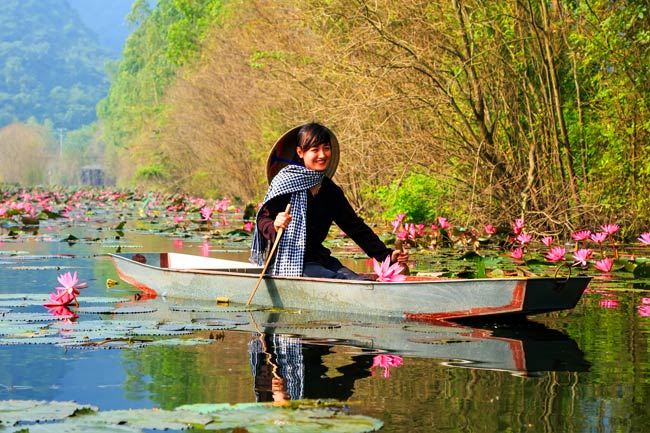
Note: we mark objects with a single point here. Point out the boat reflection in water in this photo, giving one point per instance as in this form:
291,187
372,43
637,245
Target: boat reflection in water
286,348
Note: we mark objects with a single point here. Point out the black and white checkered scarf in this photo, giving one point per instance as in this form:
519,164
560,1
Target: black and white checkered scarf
295,180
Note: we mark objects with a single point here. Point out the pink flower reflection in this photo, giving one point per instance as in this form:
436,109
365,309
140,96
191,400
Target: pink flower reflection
386,362
611,304
62,312
205,249
178,243
644,310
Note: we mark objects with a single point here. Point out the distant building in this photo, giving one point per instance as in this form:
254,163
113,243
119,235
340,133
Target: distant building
92,175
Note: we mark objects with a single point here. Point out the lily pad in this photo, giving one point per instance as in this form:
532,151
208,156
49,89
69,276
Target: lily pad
212,322
642,270
28,317
181,342
307,325
267,418
212,308
23,296
118,310
14,411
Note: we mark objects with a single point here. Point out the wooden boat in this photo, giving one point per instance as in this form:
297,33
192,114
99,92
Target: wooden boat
421,298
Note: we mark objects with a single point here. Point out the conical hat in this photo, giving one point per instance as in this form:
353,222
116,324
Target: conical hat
284,152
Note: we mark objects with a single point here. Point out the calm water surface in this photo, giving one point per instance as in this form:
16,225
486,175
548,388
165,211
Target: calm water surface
580,371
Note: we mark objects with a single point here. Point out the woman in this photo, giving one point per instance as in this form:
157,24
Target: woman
316,202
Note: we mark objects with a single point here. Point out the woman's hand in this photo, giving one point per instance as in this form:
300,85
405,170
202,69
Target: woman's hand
282,221
400,256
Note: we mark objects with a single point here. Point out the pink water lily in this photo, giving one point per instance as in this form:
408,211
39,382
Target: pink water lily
518,226
67,293
386,362
397,222
645,238
443,223
524,238
599,237
60,299
387,272
490,229
581,256
605,265
610,229
206,213
547,240
581,235
517,253
556,254
249,226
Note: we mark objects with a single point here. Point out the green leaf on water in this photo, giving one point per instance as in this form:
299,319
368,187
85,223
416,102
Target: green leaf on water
298,416
642,270
116,310
471,256
14,411
301,416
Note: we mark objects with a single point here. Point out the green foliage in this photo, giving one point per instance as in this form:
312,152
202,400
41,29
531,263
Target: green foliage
518,141
422,198
152,172
52,66
166,38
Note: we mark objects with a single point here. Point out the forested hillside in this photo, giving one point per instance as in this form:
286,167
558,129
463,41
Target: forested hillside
482,111
52,66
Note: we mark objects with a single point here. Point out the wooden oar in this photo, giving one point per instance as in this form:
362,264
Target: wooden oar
268,259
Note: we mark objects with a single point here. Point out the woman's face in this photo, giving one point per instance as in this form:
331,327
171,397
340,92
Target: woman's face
316,158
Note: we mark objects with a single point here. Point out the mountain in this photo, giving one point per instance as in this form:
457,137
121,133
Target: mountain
51,64
107,19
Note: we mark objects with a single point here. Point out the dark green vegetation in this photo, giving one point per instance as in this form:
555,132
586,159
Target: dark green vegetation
52,66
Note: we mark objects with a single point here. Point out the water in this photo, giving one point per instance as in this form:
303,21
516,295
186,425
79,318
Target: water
582,370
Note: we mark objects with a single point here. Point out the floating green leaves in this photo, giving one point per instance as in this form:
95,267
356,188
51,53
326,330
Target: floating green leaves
69,417
14,411
111,332
642,270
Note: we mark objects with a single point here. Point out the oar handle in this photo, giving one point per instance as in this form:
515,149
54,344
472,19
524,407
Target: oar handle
268,259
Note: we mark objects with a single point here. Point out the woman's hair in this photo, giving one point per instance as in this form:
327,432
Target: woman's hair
313,135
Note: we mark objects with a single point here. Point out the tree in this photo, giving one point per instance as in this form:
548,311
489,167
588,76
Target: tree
25,156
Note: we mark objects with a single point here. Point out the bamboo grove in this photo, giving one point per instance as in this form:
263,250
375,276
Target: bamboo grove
478,110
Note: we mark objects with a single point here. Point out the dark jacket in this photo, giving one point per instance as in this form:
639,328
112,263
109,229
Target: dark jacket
328,206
